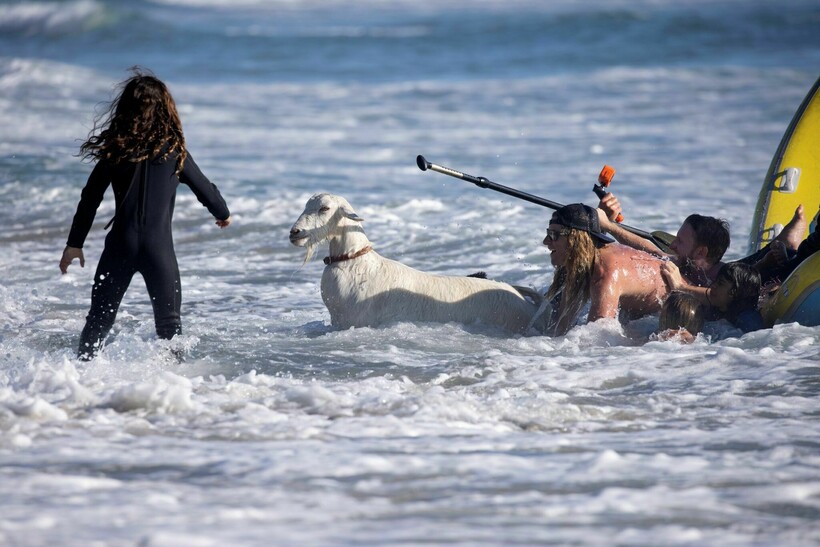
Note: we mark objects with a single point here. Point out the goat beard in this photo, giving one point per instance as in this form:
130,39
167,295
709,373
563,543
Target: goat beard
315,237
310,250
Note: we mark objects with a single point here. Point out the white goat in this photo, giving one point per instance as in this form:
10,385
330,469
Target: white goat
361,288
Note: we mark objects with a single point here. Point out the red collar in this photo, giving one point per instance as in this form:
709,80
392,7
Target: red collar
348,256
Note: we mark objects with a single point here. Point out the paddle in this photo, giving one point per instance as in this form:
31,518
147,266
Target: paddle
658,238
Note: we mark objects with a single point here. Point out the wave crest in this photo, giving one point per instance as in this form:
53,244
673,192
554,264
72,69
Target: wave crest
35,18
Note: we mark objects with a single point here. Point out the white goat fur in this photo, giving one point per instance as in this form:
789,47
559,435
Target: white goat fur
371,290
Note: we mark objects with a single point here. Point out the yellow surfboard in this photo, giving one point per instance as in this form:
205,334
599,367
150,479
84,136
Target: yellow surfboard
793,179
798,298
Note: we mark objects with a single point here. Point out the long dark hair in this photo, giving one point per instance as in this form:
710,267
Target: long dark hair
744,283
140,123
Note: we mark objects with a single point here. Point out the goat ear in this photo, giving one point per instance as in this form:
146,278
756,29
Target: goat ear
351,214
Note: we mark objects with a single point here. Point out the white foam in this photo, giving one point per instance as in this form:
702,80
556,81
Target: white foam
29,18
277,421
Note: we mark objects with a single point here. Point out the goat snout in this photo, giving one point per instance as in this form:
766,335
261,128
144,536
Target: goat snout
298,236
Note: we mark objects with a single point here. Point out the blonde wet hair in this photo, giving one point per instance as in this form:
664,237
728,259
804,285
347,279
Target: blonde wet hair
681,311
571,283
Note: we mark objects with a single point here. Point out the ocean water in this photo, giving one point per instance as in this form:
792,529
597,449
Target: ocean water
278,429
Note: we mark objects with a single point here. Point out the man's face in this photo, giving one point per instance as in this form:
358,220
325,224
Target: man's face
684,244
558,244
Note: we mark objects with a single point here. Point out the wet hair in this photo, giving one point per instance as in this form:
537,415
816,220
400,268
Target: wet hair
140,123
681,311
571,283
744,283
711,232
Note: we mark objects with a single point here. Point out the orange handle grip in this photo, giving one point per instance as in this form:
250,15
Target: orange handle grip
604,179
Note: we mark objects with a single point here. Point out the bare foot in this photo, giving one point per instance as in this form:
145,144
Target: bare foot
793,232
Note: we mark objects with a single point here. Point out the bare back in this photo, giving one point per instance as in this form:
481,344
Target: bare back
628,280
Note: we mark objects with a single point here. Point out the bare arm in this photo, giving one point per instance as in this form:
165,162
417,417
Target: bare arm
672,276
608,208
604,295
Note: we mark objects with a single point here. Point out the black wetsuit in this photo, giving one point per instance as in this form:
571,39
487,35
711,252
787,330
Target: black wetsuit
140,239
807,247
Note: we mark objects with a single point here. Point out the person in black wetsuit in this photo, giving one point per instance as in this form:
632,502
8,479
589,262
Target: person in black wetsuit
140,151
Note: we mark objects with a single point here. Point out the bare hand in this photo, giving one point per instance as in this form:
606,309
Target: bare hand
671,274
69,254
611,206
223,223
777,256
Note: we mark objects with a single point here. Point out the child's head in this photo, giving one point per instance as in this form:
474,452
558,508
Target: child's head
140,123
736,289
681,311
145,99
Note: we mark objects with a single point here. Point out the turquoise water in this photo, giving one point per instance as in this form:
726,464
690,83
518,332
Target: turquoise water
278,429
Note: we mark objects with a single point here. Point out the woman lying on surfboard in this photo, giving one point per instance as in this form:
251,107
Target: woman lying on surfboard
591,267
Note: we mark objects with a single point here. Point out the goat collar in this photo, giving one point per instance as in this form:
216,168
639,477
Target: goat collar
348,256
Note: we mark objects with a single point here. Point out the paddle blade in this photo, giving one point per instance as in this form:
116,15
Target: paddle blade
663,240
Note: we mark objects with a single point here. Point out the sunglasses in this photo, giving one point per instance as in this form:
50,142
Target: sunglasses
553,235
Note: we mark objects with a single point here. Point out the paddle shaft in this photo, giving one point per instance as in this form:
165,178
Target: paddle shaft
482,182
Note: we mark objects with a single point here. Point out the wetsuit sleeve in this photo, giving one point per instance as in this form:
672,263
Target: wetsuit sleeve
90,200
205,191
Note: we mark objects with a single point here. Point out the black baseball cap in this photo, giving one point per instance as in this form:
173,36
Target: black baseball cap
581,217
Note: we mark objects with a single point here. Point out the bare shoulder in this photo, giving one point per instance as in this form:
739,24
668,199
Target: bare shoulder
611,261
617,254
618,265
